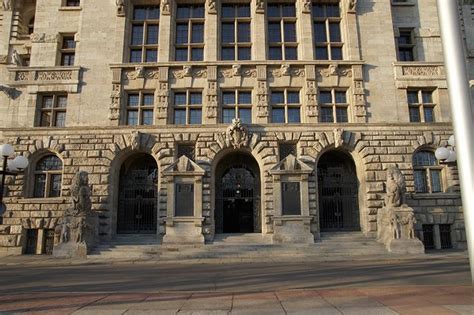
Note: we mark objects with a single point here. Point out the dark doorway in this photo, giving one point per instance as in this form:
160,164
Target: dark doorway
31,241
238,195
137,207
338,193
48,241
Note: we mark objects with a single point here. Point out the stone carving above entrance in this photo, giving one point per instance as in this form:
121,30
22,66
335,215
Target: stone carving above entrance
291,164
237,134
184,166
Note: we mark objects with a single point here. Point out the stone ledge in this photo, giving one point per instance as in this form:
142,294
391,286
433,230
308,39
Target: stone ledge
41,200
434,196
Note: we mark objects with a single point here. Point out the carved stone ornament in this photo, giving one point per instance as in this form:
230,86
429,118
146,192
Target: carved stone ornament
211,7
44,38
338,137
120,4
16,59
189,72
238,71
4,59
351,6
165,7
7,5
306,6
395,187
260,8
334,70
237,135
135,140
286,70
10,92
139,72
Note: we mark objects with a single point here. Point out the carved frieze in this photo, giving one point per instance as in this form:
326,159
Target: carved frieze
189,71
260,7
335,70
44,38
165,7
54,75
3,59
262,99
238,71
351,6
421,71
211,7
141,72
7,5
120,4
286,70
306,6
115,97
211,108
162,101
312,109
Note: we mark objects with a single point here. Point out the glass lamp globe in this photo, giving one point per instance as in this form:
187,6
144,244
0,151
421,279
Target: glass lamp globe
452,156
452,141
442,153
21,162
6,150
11,166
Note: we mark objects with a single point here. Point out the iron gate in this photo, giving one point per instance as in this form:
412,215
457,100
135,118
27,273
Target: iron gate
137,211
338,200
48,242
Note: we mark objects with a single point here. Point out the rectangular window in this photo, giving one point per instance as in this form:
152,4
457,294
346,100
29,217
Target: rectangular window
428,236
187,150
421,106
445,236
184,200
285,106
281,26
235,32
189,41
139,110
73,3
237,104
327,31
188,107
334,106
286,149
291,198
53,110
406,45
68,50
144,34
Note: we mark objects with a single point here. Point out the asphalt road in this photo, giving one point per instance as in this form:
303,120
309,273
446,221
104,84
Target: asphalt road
240,277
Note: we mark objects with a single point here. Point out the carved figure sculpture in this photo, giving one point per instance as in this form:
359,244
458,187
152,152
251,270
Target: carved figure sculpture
338,137
212,7
352,5
285,69
260,6
236,70
394,225
80,193
395,187
135,140
306,6
7,5
408,223
120,6
165,7
16,59
65,231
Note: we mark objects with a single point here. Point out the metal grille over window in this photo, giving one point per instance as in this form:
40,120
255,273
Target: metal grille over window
445,236
421,106
184,200
144,34
188,108
286,149
189,33
291,198
235,32
140,108
48,177
427,172
327,31
286,107
237,104
428,236
188,150
53,111
282,31
334,106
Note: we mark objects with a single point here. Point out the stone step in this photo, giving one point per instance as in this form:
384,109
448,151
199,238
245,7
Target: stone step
239,238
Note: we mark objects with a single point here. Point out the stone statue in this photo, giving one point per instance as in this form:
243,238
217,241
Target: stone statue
285,69
260,6
352,5
395,187
236,70
306,6
212,7
394,225
237,134
408,222
7,5
165,7
120,6
78,228
16,59
338,137
135,140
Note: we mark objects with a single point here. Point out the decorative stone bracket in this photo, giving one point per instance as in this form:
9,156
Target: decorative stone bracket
40,76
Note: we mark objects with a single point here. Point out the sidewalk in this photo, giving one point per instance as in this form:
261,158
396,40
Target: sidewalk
424,300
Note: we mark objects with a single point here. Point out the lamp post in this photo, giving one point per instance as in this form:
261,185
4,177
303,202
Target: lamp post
10,167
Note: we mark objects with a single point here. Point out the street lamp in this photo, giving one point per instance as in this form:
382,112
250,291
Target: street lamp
10,167
447,154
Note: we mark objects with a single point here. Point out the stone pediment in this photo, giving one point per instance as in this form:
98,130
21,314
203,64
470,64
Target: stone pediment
291,165
184,166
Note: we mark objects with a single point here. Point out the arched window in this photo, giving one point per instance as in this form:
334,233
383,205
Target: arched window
48,177
427,173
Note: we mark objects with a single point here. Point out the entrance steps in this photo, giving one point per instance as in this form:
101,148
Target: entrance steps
241,247
129,247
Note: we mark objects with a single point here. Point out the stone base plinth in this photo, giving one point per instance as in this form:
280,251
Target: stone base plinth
292,229
405,246
11,251
70,250
184,230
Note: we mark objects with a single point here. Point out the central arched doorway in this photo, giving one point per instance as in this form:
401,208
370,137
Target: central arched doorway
137,201
338,193
237,185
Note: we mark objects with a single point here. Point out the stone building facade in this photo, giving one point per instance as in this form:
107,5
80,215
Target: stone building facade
144,96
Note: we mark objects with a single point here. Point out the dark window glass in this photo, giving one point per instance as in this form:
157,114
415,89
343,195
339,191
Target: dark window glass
245,115
428,236
291,53
228,32
180,98
228,98
243,33
278,115
275,53
341,114
152,34
244,53
137,35
245,98
290,32
320,32
187,150
195,98
197,33
228,53
274,32
415,114
277,98
428,111
182,33
325,97
322,53
420,181
147,117
180,116
286,149
445,236
197,54
195,117
181,54
294,115
227,115
326,114
39,186
132,118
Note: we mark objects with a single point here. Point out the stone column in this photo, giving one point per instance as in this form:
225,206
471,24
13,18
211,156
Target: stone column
5,34
349,24
210,31
166,38
310,101
259,27
436,236
304,26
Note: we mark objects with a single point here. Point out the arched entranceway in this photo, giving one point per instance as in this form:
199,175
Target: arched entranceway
237,183
137,200
338,193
